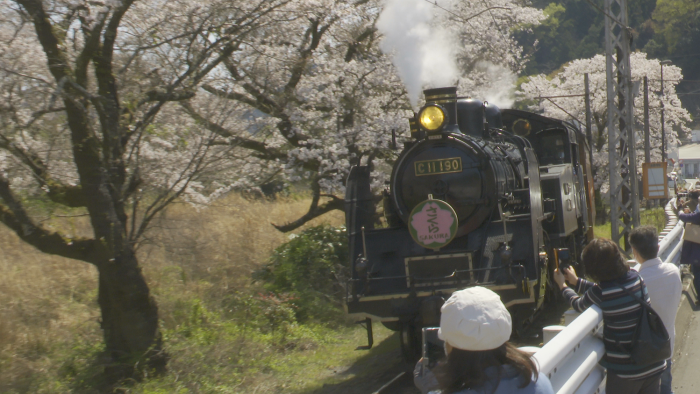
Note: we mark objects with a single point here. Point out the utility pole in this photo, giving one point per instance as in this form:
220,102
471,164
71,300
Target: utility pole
589,133
624,204
647,144
663,131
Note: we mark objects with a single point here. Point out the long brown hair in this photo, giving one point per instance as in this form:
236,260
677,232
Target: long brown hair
465,369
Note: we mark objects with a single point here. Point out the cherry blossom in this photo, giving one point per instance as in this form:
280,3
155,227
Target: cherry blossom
570,81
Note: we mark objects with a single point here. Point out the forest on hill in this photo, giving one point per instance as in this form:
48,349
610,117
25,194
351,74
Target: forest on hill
663,29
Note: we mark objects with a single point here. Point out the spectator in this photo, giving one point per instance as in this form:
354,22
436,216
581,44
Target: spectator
690,251
692,202
663,281
476,326
604,264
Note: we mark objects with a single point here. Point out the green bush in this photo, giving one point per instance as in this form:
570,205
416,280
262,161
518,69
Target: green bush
310,272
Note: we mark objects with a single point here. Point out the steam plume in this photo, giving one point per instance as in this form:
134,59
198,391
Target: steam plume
424,52
501,84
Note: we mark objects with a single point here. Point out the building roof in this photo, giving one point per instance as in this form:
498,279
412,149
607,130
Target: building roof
689,152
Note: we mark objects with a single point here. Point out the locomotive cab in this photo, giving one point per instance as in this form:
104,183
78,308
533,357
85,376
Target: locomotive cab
559,183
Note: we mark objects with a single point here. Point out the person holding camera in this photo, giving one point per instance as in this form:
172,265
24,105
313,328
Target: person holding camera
621,313
692,204
476,327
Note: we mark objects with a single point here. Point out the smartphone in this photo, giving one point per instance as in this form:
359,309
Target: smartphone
562,257
433,347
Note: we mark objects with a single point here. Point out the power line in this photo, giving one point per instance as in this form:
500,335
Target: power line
609,16
566,95
675,80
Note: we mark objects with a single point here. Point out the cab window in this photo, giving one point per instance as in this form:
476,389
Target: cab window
553,147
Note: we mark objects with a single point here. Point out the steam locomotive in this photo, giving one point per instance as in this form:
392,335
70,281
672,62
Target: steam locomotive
479,196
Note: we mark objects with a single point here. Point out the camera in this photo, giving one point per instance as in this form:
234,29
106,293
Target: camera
562,258
433,347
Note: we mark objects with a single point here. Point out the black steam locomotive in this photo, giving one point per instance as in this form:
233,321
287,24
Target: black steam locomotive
480,196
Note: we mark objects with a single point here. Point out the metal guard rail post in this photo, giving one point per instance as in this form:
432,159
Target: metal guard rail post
570,359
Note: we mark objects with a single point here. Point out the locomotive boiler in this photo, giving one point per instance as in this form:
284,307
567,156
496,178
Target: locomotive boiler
479,196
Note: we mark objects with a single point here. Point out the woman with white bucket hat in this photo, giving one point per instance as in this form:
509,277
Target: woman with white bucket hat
476,326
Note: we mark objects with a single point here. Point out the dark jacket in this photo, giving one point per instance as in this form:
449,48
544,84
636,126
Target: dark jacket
690,251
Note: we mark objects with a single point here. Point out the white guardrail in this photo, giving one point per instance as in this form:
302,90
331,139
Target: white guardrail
570,358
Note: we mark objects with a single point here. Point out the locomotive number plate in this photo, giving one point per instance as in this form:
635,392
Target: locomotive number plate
439,166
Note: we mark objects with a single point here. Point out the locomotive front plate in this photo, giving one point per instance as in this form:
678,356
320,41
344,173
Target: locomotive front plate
440,166
440,270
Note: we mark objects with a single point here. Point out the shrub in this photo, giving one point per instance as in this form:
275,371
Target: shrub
312,268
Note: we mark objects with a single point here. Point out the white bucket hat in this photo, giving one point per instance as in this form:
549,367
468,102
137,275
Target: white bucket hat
475,319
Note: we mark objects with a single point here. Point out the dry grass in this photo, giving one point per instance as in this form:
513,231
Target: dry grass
235,235
211,253
44,301
196,262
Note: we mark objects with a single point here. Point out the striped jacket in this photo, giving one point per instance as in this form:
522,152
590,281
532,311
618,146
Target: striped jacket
621,314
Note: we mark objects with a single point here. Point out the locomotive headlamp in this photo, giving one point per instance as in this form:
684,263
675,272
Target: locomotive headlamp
432,117
522,127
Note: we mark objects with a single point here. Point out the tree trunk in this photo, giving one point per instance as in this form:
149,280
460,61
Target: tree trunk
129,320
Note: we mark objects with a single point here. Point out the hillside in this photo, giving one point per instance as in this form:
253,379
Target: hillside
664,29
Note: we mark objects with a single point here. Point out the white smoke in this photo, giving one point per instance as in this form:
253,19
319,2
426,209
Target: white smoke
500,89
424,52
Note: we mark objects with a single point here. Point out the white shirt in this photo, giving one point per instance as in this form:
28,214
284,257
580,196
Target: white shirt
663,281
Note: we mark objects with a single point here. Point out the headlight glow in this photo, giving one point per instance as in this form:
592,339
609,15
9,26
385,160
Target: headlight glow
432,118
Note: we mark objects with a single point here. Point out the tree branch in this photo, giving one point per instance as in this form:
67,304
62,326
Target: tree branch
70,196
314,210
268,107
36,115
264,152
90,48
353,48
57,61
159,95
13,215
170,194
299,67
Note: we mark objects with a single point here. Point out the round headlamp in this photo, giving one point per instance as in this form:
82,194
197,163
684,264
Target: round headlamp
432,117
522,127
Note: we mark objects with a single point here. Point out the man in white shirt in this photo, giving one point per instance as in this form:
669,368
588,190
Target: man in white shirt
663,281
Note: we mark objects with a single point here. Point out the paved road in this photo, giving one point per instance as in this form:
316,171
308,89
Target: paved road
686,360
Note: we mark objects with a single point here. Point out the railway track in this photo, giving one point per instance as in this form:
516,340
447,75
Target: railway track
400,384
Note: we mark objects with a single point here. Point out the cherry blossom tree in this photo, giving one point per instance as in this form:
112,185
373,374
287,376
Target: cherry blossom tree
116,108
90,121
569,81
325,90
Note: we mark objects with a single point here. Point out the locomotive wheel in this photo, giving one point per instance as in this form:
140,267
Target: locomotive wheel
411,345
